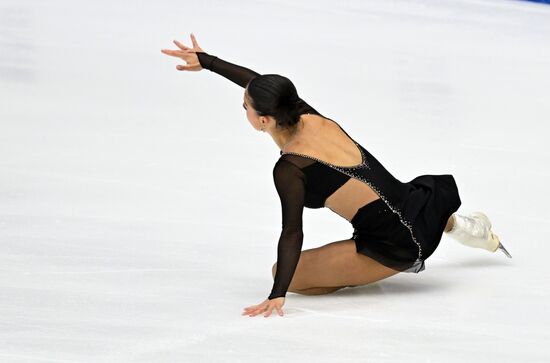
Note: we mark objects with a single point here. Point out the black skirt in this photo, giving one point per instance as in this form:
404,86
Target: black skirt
380,234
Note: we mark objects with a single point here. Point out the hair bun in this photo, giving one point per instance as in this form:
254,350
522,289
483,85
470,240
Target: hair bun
273,94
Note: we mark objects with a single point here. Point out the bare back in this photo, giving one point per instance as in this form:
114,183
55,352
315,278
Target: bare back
323,139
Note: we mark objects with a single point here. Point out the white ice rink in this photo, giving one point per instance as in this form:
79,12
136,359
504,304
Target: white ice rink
138,215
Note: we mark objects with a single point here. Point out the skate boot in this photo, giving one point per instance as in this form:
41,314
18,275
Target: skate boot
475,231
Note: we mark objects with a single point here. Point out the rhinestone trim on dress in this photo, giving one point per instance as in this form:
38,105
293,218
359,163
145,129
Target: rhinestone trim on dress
364,162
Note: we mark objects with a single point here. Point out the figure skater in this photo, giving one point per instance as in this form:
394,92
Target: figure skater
397,225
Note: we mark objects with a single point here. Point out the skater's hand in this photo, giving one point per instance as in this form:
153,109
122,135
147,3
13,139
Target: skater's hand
266,307
187,54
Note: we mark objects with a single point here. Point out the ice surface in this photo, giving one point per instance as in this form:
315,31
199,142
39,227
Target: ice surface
128,235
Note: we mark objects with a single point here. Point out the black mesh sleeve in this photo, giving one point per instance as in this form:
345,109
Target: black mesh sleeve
235,73
240,75
290,184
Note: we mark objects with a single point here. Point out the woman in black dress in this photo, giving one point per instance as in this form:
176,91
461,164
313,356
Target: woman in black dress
397,225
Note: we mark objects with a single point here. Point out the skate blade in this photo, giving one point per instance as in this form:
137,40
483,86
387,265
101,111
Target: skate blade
501,247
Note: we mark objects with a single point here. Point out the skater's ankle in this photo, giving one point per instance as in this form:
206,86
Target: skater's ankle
450,224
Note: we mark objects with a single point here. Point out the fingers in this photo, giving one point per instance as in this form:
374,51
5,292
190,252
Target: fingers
266,308
258,310
195,44
253,312
251,309
174,53
181,46
255,309
270,310
183,50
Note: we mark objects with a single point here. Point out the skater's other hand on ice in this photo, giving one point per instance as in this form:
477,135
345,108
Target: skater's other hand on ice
187,54
266,307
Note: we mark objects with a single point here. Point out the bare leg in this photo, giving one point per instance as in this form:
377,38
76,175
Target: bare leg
331,267
318,290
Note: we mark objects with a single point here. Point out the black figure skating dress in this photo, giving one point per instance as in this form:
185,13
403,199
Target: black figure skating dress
400,229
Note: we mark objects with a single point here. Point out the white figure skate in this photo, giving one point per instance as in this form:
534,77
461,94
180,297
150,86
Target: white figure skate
475,231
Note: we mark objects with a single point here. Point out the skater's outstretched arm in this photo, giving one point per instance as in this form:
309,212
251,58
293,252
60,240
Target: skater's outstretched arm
197,59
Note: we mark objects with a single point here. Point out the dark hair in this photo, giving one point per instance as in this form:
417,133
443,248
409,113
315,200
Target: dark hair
275,95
